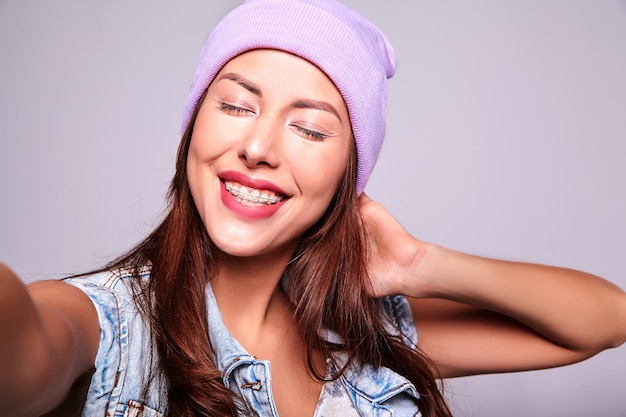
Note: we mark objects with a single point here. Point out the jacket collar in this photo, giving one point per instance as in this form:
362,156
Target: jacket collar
376,384
227,351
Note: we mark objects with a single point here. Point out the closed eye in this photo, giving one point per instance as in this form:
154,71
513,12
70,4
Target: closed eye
229,108
310,134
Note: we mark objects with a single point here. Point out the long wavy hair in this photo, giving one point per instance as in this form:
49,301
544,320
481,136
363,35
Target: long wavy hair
326,281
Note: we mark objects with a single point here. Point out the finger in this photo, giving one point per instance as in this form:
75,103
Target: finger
364,199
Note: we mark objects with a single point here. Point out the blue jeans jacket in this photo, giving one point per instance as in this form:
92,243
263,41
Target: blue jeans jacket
125,359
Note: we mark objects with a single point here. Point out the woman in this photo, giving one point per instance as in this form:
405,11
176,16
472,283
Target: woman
271,254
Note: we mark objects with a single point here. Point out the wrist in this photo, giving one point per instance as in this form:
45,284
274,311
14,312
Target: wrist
419,280
437,273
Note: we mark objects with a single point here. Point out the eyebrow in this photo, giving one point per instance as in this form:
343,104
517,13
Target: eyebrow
248,85
299,104
317,105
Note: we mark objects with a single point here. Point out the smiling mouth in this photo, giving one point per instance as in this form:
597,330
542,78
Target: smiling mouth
251,196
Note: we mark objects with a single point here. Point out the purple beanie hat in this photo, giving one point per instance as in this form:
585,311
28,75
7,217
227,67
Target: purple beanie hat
353,53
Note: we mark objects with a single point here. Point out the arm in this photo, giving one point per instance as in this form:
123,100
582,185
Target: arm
50,335
524,316
478,315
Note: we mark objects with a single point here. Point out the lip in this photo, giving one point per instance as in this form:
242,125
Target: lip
249,212
251,182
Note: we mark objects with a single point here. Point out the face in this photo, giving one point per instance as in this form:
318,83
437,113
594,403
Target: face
269,147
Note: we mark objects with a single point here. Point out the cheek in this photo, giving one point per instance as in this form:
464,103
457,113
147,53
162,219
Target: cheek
321,175
212,133
193,174
208,141
204,149
195,158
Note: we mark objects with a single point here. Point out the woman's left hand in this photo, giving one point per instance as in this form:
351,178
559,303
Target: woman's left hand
395,255
478,315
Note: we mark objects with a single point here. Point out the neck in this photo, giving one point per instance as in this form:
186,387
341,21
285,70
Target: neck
247,293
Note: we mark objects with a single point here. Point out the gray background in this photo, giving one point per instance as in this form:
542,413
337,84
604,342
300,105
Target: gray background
506,138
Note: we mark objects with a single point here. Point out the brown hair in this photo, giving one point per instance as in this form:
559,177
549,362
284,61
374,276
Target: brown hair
326,281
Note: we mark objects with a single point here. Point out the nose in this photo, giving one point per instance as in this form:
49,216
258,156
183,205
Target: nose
260,145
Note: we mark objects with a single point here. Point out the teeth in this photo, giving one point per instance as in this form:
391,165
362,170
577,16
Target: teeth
252,197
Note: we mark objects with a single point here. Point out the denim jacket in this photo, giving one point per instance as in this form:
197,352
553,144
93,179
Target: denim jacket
125,358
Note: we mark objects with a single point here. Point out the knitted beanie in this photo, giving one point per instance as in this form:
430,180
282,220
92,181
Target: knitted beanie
349,49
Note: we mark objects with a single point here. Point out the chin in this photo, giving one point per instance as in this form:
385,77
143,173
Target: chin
239,246
245,247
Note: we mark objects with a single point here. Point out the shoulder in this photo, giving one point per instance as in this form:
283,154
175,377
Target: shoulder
110,289
116,280
125,360
111,293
